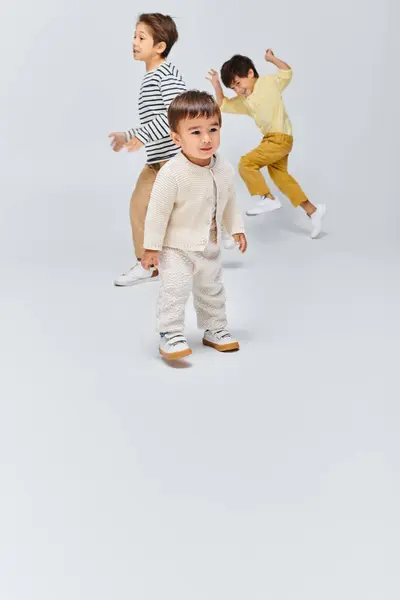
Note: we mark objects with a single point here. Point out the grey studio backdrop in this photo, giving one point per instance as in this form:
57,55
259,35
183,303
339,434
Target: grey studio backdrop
272,473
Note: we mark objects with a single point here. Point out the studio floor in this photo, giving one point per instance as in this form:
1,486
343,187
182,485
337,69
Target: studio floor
269,473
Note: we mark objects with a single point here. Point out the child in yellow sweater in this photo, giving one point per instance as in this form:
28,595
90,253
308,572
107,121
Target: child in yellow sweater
261,99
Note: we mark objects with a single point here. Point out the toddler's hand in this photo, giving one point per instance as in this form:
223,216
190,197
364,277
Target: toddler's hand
118,140
241,241
213,77
150,259
133,145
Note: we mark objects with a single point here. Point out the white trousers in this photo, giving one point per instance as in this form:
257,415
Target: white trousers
184,272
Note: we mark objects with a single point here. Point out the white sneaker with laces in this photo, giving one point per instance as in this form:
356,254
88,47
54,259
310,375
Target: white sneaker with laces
264,205
137,274
220,340
316,220
173,346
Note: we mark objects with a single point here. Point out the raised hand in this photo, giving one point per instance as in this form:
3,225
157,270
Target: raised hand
269,55
213,77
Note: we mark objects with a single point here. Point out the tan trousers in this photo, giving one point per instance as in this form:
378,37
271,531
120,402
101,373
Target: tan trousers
273,152
197,272
139,203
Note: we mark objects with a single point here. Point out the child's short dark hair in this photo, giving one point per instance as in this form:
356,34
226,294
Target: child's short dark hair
163,28
192,105
237,66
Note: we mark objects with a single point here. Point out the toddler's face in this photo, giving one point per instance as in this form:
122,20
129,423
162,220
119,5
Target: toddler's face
199,138
143,43
244,86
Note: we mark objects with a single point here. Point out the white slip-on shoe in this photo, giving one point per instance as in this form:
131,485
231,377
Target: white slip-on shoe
173,346
316,220
137,274
264,205
220,340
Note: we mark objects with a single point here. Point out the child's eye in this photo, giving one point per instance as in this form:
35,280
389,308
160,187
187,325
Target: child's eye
195,132
213,129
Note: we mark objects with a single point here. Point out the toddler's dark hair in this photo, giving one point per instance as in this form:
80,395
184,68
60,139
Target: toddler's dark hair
163,28
237,66
192,105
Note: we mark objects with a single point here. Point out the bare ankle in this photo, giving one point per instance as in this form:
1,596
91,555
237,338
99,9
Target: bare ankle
308,207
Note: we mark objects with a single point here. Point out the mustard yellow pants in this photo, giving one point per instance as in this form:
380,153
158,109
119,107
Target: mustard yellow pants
273,152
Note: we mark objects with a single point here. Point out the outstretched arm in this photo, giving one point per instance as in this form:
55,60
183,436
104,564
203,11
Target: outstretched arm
158,128
215,82
280,64
284,75
227,105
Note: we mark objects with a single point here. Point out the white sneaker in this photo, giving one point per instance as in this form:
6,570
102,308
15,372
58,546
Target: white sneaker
221,340
137,274
316,220
264,205
173,346
228,241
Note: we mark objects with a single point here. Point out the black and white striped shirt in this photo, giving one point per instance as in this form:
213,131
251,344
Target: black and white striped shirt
158,89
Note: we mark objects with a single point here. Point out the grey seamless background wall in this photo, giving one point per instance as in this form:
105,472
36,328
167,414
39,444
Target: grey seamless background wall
270,473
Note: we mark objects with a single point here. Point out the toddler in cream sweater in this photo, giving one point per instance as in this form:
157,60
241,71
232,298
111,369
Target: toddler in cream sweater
193,198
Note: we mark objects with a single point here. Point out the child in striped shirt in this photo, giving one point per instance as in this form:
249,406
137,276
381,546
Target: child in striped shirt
154,37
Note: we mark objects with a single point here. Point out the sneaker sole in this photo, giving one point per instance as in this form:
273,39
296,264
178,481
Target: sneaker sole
175,355
233,346
262,212
137,282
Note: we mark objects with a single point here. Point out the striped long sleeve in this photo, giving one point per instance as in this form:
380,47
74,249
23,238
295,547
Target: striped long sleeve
158,89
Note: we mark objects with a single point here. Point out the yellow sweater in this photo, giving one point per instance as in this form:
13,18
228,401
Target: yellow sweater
265,104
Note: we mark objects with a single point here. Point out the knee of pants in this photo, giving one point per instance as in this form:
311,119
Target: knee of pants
209,294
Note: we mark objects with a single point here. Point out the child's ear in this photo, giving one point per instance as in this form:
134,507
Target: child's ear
250,74
175,138
161,48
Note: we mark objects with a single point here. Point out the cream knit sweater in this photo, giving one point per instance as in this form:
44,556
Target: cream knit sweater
181,205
